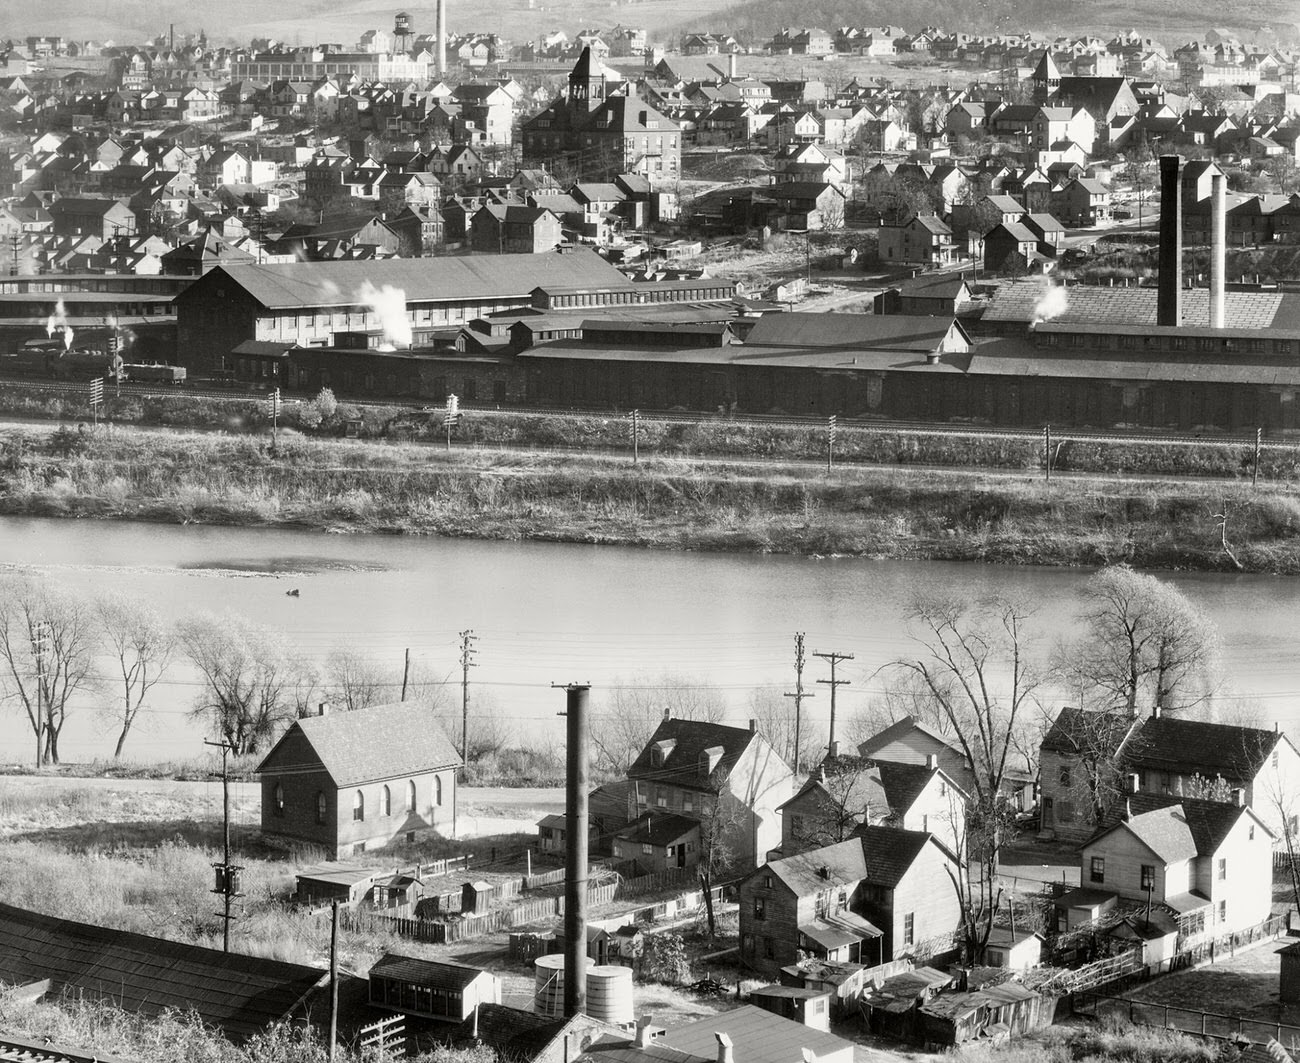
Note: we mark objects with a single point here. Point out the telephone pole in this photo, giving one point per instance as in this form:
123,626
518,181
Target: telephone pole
798,695
833,683
467,652
227,874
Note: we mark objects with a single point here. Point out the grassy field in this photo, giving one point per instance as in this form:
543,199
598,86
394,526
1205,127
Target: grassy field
666,502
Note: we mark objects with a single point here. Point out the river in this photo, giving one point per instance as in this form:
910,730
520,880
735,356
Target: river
551,613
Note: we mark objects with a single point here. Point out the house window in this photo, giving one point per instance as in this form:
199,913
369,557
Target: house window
747,944
661,797
1223,869
1166,782
1223,911
437,790
909,929
320,806
1065,775
1251,833
1148,876
279,799
1275,758
410,795
1098,869
646,848
769,948
760,908
767,882
386,803
359,806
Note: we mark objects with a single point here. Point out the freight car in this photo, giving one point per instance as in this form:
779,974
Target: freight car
155,373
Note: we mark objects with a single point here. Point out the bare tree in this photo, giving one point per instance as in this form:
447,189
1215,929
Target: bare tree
720,821
142,646
354,681
47,646
306,687
625,722
974,661
1146,644
851,794
1091,739
248,678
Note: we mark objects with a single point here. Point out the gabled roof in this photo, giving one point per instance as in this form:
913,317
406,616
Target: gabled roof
658,829
1075,729
1173,827
1166,743
880,856
367,745
903,783
300,284
690,738
242,995
758,1036
435,974
898,730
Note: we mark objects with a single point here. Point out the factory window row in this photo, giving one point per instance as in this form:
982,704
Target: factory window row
1202,344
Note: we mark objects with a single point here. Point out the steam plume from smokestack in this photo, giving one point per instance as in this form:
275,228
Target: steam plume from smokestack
389,305
58,322
1051,304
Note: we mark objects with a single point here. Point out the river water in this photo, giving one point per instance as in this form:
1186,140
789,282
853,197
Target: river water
551,613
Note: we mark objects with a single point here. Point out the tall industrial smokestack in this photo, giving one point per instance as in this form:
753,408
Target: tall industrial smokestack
1169,301
575,856
1218,248
442,38
731,66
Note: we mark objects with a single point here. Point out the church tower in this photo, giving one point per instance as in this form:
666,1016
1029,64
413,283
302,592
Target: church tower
586,84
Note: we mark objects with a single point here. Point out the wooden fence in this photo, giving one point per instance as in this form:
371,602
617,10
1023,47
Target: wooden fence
1189,1020
643,884
440,931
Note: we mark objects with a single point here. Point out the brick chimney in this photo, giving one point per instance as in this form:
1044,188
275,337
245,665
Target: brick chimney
323,709
1169,295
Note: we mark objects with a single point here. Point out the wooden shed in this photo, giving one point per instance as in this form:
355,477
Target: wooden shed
809,1007
475,897
397,894
626,944
1289,991
1015,950
321,885
996,1012
431,989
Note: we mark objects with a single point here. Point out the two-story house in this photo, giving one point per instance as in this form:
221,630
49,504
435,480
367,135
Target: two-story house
922,238
729,778
351,781
830,806
1083,202
1209,863
884,894
1079,771
910,741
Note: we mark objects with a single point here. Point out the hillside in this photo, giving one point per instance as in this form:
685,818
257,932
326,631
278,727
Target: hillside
306,21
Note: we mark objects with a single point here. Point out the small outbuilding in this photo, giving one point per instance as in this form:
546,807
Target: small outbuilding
431,989
1289,990
1015,950
809,1007
475,897
550,833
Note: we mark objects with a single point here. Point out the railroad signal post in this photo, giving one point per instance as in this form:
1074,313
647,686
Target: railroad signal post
96,395
227,874
451,417
635,417
273,408
831,429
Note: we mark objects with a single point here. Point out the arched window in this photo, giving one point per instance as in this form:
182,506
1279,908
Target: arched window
410,796
279,799
320,806
386,803
359,805
437,790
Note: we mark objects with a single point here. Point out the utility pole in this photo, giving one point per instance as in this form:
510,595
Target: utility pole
834,658
227,874
334,980
406,671
467,652
40,647
798,695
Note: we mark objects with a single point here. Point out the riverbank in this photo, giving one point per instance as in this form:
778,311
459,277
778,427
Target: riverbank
666,503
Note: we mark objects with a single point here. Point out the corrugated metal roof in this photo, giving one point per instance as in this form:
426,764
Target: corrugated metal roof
303,284
1016,301
436,974
369,745
240,994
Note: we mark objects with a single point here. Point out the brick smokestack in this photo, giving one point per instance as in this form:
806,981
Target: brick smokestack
441,33
1169,301
1218,248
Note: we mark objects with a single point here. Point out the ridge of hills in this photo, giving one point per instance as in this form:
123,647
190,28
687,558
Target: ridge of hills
307,21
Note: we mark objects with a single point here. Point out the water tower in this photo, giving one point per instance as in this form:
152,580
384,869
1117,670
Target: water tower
402,32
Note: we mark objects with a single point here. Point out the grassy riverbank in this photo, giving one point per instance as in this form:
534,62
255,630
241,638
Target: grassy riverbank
340,485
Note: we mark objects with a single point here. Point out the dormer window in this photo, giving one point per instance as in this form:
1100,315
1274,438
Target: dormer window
661,751
709,760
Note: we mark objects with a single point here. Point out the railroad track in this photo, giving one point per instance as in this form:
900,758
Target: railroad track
687,418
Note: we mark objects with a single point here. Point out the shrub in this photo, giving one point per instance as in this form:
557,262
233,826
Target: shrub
664,959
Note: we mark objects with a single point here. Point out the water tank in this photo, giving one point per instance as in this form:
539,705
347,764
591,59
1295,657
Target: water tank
609,994
548,996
